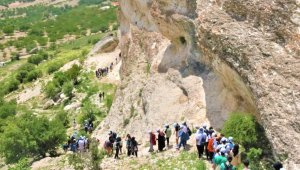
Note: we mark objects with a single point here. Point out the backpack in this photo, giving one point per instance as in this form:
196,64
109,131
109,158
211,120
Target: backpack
114,135
203,140
189,131
228,167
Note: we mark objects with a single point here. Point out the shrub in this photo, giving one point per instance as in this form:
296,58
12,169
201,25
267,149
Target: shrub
30,136
21,76
242,127
73,73
53,67
15,56
61,78
7,109
22,164
12,85
35,59
27,67
62,116
33,75
67,89
51,90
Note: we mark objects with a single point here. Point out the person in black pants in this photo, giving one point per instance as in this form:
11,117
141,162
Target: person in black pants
134,146
128,145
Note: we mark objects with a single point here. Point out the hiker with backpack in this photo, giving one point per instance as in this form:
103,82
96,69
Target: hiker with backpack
108,147
152,141
220,159
168,133
128,145
227,165
161,140
200,141
184,137
117,146
210,146
134,147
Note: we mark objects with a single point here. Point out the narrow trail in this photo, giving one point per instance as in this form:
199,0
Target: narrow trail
146,158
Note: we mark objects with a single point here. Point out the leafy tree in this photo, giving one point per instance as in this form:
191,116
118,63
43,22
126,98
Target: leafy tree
30,136
7,109
242,127
62,116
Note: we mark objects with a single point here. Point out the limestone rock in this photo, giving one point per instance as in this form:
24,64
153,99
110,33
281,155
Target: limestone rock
199,60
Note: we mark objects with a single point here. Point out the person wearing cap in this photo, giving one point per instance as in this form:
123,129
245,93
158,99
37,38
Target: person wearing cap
200,141
220,159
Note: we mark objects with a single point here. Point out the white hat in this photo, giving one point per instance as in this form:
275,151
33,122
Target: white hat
223,139
223,150
230,139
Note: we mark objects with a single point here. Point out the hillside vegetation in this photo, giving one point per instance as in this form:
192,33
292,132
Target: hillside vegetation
37,127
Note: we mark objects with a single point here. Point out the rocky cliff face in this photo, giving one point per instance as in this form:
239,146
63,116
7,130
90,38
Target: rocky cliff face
198,60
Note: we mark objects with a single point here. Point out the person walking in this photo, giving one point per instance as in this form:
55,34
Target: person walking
161,140
246,164
177,128
184,137
200,141
152,141
227,165
128,145
117,147
134,147
168,133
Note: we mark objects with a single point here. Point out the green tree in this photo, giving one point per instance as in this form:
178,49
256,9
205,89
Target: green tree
242,127
30,136
7,109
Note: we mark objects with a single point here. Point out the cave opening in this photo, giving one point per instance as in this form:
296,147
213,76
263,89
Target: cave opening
182,40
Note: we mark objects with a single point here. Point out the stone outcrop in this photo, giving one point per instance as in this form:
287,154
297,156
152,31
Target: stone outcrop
199,60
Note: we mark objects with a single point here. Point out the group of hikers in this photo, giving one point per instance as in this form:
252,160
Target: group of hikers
114,142
220,151
77,144
101,72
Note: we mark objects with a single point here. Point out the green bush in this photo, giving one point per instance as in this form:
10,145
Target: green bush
12,85
242,127
21,76
7,109
35,59
62,116
15,56
73,72
52,89
60,77
53,67
30,136
22,164
33,75
67,89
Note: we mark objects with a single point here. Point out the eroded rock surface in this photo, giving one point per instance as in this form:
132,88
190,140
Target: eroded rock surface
199,60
